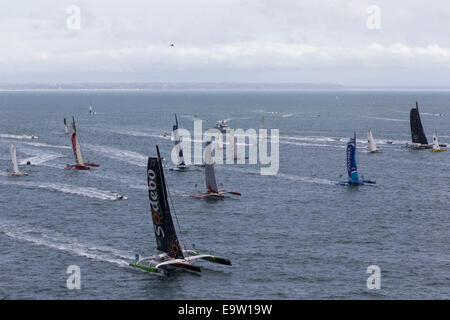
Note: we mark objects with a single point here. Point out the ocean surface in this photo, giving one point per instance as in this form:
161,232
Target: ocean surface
295,235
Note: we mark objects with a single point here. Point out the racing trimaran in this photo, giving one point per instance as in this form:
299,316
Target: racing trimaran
352,170
66,131
436,146
181,164
91,112
15,167
80,164
419,140
371,146
212,190
166,237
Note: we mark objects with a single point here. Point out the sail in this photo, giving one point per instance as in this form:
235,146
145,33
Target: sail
417,133
76,145
166,237
14,159
351,160
177,142
233,144
436,142
261,123
65,127
371,142
210,177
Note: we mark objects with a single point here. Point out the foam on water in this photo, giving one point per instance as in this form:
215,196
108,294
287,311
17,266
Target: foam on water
14,136
40,159
294,177
389,119
65,188
56,241
135,133
38,144
131,157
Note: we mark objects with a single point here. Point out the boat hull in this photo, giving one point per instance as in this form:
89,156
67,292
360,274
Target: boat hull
95,165
77,167
20,174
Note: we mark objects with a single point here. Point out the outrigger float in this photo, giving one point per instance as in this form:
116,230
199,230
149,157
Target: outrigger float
212,190
352,170
80,164
173,257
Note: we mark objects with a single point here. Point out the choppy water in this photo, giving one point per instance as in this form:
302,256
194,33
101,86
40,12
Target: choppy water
291,236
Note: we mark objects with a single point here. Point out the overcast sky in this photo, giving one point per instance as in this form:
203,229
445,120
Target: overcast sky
320,41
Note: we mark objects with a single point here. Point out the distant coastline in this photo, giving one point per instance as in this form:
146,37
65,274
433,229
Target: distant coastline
205,86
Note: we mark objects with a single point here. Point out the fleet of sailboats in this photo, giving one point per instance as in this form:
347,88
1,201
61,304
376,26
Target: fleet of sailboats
173,256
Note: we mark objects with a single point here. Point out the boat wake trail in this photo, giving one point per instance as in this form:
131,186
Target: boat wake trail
313,139
131,157
59,242
130,182
135,133
40,159
38,144
64,188
305,179
388,119
284,176
13,136
306,144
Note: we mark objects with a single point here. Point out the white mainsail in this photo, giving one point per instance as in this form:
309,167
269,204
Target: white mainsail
233,144
14,160
210,177
371,146
436,142
79,157
177,144
76,146
65,127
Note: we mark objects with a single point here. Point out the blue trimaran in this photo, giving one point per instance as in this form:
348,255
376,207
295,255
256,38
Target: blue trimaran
353,175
